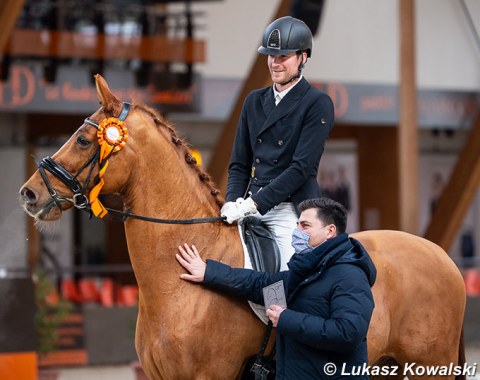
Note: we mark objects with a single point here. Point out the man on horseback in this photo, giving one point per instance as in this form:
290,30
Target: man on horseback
322,331
280,138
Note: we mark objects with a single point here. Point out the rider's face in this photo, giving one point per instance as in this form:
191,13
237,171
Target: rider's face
284,67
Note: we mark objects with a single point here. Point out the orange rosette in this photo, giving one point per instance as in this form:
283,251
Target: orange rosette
113,132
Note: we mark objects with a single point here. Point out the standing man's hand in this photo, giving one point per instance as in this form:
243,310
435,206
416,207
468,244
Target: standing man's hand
273,313
190,259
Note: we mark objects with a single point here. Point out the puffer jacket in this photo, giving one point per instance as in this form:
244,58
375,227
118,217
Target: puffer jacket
329,307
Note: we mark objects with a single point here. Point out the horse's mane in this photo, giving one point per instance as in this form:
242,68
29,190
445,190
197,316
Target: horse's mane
182,146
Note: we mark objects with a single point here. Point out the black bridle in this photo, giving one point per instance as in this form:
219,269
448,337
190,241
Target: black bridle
79,199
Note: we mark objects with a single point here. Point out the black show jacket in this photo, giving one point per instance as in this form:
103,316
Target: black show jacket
283,143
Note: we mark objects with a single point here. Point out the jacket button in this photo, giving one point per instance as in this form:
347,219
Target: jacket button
259,141
323,121
275,161
257,160
280,142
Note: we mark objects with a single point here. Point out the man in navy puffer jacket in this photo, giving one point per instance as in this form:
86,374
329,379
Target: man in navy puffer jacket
328,289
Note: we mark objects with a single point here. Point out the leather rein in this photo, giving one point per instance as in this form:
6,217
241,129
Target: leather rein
110,141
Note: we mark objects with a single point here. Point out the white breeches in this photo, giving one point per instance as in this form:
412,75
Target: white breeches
281,221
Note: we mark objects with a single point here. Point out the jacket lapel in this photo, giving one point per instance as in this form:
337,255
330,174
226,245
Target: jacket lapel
287,103
268,103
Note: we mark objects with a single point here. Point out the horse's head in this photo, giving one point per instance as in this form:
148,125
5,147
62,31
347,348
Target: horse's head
75,175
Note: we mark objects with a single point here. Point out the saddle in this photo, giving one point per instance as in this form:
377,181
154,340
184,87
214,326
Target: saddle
262,248
264,257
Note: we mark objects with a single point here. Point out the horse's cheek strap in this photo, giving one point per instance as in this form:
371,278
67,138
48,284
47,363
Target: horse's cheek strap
125,110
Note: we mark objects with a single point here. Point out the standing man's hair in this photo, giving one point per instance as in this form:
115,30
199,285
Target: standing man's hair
328,211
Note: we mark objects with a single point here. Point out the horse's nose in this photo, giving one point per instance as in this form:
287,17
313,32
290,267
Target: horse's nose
28,196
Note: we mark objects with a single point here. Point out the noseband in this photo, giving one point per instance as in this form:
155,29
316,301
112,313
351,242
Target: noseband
112,137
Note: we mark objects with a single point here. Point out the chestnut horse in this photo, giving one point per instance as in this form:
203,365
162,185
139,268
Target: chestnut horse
189,332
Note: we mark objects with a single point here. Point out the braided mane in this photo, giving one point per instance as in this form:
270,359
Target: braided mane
182,146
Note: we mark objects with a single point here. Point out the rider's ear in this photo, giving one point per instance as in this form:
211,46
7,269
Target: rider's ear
109,102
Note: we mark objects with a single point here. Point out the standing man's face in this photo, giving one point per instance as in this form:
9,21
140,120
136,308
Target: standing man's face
309,223
283,68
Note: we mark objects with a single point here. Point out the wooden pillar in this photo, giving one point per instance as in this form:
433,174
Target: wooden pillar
377,177
458,192
407,130
9,11
377,167
257,77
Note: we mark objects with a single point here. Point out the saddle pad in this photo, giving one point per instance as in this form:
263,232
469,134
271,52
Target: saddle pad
259,310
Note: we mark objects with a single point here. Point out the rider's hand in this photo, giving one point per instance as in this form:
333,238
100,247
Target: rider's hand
229,211
246,207
236,211
190,259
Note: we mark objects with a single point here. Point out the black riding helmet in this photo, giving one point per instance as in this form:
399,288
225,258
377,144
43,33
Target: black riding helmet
286,35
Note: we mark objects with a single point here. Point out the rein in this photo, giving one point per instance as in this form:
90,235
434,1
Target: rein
127,214
112,136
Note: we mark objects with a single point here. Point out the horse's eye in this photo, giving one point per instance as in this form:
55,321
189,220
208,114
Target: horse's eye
82,141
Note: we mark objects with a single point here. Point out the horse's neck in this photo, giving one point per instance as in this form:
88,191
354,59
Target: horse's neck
164,186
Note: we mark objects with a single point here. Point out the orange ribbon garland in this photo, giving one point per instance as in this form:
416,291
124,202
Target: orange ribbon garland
112,135
97,207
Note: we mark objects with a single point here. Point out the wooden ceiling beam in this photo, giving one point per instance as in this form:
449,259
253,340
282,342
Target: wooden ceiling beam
458,193
9,11
65,44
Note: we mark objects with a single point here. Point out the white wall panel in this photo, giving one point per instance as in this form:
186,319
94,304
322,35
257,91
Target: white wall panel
357,42
447,54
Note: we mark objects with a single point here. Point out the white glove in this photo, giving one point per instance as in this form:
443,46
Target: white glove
246,207
236,211
229,211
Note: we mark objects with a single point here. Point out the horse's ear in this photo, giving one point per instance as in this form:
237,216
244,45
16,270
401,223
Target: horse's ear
109,102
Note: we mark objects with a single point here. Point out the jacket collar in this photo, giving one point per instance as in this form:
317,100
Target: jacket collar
303,266
288,102
324,255
284,92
